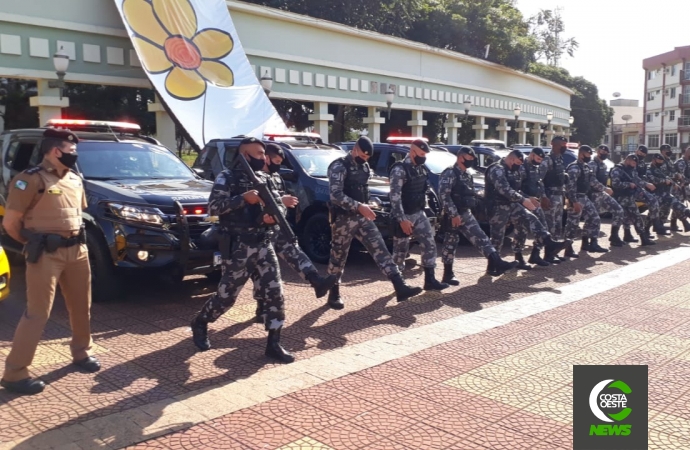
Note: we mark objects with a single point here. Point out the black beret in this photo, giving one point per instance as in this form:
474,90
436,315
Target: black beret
664,147
539,152
275,150
421,144
585,149
643,149
252,140
65,135
603,147
633,157
658,156
466,150
365,144
518,154
559,138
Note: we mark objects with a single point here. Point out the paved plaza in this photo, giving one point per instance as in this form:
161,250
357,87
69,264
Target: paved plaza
486,365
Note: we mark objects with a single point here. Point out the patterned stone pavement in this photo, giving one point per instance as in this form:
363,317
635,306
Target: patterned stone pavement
500,388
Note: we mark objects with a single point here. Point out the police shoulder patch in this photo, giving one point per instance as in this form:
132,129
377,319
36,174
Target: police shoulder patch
21,185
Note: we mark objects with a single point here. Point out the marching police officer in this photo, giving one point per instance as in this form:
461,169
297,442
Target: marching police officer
508,204
43,211
602,200
409,185
625,182
682,172
581,181
290,252
646,196
554,182
457,197
659,175
246,249
351,216
663,164
531,174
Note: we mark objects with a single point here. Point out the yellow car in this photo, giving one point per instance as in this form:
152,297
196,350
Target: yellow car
4,275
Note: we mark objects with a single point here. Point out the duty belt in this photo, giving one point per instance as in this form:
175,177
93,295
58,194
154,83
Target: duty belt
251,238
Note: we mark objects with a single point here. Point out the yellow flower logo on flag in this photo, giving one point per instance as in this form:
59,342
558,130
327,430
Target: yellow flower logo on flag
167,40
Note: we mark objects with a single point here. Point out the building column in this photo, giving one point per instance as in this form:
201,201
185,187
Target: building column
452,126
417,123
536,132
165,127
566,133
549,134
479,127
321,119
374,121
522,130
48,102
503,130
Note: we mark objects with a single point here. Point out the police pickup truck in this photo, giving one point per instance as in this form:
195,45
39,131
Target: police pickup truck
147,211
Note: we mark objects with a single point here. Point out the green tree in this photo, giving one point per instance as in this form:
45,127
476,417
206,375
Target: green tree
548,27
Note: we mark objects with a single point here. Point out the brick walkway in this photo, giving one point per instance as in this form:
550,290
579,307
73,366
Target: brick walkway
448,396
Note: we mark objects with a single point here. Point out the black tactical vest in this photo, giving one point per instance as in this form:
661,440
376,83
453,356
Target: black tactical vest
277,183
463,194
513,179
583,180
357,176
602,172
530,184
555,176
641,169
414,189
250,216
627,177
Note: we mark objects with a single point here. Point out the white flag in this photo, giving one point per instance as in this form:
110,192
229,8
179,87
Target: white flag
192,54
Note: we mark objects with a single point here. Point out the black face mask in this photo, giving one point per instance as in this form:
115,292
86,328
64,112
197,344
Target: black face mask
468,163
604,157
359,160
256,163
667,154
534,163
586,159
642,157
273,168
515,167
68,159
419,160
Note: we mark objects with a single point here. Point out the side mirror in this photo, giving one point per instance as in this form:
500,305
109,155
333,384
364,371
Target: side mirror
288,175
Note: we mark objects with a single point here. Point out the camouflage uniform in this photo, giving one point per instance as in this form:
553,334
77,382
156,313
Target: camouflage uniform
251,252
349,223
451,179
668,169
621,177
643,195
554,180
502,193
581,181
602,200
658,177
682,172
401,202
531,177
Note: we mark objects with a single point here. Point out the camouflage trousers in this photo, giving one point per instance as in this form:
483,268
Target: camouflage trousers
607,204
652,202
292,254
669,203
472,231
260,263
348,226
677,212
554,216
521,232
520,217
423,232
631,213
591,218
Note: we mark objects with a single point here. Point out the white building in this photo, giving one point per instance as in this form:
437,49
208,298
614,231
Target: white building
667,99
624,131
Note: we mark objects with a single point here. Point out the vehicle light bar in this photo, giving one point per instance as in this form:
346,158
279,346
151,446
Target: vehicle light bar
92,123
405,139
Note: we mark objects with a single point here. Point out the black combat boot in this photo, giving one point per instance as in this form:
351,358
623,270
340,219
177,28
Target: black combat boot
659,227
594,247
321,284
430,281
521,264
403,291
498,266
551,248
570,251
449,276
646,240
534,258
615,239
275,350
674,225
628,236
259,317
686,224
334,300
200,334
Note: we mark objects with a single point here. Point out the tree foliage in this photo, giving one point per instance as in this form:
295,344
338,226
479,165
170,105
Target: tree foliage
548,27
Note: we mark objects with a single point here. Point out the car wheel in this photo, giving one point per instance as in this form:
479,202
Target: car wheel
104,285
316,238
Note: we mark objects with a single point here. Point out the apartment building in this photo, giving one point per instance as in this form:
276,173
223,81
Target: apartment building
667,99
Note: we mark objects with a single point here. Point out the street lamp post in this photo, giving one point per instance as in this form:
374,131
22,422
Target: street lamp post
267,83
467,104
61,63
549,118
516,112
390,96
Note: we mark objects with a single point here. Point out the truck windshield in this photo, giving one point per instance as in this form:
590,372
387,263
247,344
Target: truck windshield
128,160
438,161
316,162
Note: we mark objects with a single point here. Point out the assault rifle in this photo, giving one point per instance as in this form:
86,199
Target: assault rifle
270,205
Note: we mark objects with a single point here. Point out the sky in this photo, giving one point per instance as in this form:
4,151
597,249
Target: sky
615,36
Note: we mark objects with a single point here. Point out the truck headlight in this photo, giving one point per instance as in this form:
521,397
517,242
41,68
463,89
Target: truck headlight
137,213
375,203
